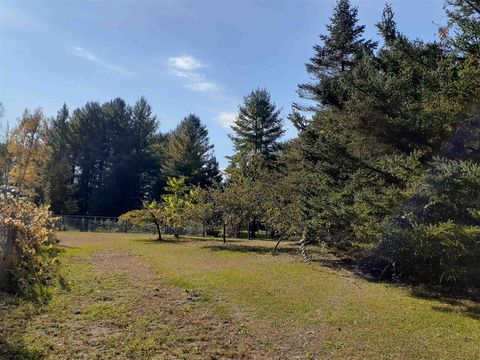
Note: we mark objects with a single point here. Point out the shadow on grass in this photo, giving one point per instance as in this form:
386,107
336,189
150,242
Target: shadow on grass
465,303
446,296
257,249
9,351
164,241
184,240
467,310
317,256
322,258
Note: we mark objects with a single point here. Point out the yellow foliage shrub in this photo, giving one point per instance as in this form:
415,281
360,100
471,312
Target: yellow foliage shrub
28,246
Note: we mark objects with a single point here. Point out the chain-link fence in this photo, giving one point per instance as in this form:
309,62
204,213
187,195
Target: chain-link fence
90,223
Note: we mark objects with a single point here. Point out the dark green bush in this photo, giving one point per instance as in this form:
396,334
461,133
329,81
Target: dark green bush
437,237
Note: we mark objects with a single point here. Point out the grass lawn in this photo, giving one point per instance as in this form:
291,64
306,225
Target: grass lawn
129,297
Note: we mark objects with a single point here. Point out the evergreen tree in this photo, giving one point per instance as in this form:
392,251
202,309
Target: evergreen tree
339,51
88,144
387,27
436,237
112,147
257,131
464,19
189,153
112,191
363,158
144,126
147,150
59,170
212,172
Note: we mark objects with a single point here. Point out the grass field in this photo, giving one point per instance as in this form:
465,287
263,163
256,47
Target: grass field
129,297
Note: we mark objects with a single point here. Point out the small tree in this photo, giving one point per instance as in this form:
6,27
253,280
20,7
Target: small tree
237,205
203,209
151,214
28,152
177,201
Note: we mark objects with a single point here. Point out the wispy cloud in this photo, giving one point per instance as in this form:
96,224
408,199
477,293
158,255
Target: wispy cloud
187,68
203,86
87,55
185,62
226,119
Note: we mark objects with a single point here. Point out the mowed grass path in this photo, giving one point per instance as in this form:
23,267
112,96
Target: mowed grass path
130,297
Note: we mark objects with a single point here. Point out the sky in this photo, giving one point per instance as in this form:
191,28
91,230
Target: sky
184,56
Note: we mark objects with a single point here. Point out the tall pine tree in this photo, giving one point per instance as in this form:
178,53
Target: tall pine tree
337,53
59,171
256,140
112,144
189,153
257,131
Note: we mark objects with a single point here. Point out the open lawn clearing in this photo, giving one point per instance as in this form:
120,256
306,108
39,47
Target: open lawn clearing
131,298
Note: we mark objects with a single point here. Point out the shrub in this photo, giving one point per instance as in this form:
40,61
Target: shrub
437,237
29,246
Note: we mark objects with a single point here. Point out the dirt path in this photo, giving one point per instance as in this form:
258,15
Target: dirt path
195,332
119,308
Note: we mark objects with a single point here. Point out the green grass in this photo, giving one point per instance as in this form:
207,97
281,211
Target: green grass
277,306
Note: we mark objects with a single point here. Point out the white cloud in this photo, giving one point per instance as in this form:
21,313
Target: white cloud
187,68
202,86
185,62
193,76
77,50
87,55
226,119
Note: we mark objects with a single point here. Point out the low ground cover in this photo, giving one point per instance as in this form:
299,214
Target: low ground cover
129,297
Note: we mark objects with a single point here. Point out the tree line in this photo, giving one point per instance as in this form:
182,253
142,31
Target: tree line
104,159
385,167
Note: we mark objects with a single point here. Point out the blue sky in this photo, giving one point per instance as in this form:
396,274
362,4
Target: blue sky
184,56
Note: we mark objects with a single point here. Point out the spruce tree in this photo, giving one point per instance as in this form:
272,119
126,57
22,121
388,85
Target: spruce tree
189,153
89,151
59,171
387,27
338,52
257,131
144,126
112,152
464,19
256,140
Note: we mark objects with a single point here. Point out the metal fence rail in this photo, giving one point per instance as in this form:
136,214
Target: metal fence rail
89,223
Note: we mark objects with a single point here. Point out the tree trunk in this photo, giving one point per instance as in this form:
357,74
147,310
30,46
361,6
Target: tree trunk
276,246
158,230
9,258
303,249
224,233
252,230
